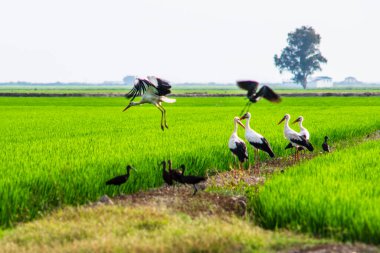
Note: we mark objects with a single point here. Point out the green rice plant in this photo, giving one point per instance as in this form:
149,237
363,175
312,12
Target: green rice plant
60,151
334,195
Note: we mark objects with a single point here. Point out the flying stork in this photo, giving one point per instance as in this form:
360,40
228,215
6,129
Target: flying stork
253,95
296,139
325,145
303,131
257,141
237,145
153,91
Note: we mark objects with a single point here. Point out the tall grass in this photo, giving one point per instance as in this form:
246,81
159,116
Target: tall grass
57,151
334,195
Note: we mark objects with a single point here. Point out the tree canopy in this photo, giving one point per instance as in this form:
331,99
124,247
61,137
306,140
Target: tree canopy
302,56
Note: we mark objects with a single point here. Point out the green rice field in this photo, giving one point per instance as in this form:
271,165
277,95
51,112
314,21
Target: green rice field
60,151
334,195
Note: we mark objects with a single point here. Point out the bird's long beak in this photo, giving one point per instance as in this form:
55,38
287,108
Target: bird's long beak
133,169
297,120
242,117
242,125
127,107
281,121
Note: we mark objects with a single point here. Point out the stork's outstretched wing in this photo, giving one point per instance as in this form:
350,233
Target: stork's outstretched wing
163,86
139,88
250,86
269,94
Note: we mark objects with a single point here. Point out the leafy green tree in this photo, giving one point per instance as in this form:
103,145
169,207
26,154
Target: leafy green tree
302,56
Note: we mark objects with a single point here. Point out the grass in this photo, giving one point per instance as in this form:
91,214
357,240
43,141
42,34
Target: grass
60,151
144,229
335,195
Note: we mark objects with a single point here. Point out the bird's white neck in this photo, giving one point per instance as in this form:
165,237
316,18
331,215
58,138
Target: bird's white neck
286,125
247,126
300,124
235,128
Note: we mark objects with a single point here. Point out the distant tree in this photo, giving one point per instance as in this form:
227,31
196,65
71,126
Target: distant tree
302,56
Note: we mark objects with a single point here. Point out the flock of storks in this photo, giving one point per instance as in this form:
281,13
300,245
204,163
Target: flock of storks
153,90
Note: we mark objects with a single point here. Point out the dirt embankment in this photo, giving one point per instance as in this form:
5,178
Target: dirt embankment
306,94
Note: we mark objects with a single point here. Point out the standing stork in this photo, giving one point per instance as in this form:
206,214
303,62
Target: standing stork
253,95
256,140
303,131
237,145
153,91
296,139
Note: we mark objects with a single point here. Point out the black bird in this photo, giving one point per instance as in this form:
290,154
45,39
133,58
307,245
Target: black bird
120,179
176,174
194,180
166,175
153,91
325,145
253,95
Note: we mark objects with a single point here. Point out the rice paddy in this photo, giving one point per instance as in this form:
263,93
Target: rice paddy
335,195
60,151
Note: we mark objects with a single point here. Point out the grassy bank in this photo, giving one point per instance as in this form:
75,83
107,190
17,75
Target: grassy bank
334,195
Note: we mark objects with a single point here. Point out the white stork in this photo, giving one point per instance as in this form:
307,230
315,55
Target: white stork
153,91
237,145
303,131
253,95
257,141
296,139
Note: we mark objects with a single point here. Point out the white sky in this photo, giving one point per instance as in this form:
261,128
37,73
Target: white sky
182,41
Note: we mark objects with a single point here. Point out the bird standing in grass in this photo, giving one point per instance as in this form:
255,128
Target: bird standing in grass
325,145
303,131
176,174
257,141
253,95
237,145
296,139
181,178
153,91
166,175
118,180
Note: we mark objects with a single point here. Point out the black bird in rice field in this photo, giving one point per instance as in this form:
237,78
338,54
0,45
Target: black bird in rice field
253,95
177,174
194,180
166,175
120,179
325,145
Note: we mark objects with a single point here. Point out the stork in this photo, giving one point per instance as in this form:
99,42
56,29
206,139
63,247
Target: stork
153,91
303,131
257,141
253,95
325,145
237,145
296,139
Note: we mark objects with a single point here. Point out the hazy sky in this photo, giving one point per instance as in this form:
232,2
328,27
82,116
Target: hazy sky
182,41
